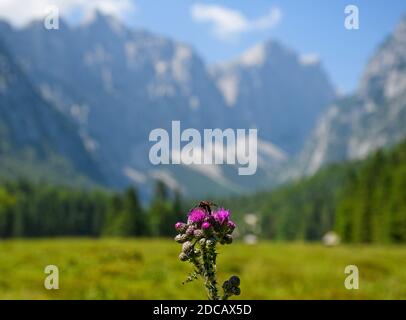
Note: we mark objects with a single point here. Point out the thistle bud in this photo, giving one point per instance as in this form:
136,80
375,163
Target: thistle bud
187,247
181,238
198,234
183,257
236,291
228,239
180,227
226,286
231,226
234,281
202,242
206,225
207,229
190,230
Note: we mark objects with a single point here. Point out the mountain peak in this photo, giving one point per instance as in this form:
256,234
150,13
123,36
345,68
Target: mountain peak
400,31
259,84
254,56
104,22
385,75
373,118
260,53
99,17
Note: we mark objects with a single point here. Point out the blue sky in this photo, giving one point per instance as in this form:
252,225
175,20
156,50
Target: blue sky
308,26
221,30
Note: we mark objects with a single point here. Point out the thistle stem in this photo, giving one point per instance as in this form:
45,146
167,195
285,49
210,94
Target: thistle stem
209,265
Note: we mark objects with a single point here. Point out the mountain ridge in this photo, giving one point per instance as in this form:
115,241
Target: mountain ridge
281,89
372,118
118,84
30,127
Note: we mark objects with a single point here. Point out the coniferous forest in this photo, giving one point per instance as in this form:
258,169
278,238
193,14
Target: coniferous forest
34,210
364,201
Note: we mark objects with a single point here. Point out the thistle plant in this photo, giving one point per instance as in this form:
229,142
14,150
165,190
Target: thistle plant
200,236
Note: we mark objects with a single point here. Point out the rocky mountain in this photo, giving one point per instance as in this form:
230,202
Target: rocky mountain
277,91
119,84
33,132
372,118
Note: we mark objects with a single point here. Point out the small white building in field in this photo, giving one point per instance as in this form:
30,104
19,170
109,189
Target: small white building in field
331,239
250,239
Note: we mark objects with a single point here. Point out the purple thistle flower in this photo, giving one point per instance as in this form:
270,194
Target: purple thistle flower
197,216
180,226
221,216
204,230
231,225
206,225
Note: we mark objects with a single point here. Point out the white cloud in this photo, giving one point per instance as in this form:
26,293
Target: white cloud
228,22
19,13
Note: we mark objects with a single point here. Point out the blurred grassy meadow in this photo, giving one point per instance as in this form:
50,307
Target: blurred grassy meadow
150,269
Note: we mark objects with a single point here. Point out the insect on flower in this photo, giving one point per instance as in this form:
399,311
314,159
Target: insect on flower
206,206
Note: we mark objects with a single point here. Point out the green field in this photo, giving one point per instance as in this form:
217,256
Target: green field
149,269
